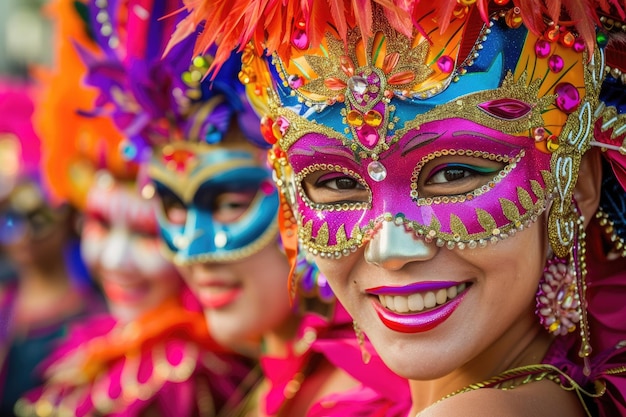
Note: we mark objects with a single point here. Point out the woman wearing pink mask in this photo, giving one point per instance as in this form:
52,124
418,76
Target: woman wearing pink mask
152,355
456,168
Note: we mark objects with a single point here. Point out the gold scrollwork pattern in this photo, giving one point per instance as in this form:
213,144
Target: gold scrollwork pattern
575,140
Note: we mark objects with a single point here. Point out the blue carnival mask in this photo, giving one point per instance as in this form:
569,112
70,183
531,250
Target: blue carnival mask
219,204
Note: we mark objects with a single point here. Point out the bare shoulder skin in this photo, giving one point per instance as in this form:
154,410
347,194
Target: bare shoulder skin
539,399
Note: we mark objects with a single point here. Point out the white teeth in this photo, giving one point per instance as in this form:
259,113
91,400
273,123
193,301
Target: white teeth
441,296
429,300
418,302
401,304
452,292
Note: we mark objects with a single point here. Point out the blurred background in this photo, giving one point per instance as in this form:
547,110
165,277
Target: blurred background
24,36
25,39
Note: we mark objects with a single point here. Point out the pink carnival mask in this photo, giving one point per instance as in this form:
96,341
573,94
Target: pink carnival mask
511,192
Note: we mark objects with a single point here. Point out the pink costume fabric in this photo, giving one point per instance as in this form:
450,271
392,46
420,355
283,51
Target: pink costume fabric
16,107
382,393
163,363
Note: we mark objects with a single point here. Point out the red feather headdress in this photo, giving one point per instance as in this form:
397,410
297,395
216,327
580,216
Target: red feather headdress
272,25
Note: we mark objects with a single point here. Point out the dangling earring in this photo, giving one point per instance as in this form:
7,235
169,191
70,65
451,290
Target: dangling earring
557,298
561,298
360,337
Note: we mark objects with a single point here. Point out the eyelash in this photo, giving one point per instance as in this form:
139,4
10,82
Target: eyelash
471,168
321,181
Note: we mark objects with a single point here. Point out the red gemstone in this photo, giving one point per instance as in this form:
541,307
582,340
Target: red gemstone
368,136
568,97
542,48
556,63
178,159
445,64
267,131
390,62
553,34
567,39
402,77
347,66
335,84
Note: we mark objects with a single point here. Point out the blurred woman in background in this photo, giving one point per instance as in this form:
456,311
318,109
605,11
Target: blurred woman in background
49,287
152,355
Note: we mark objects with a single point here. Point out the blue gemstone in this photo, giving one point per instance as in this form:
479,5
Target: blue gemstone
213,135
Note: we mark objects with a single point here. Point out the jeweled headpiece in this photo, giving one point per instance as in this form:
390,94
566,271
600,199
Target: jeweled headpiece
178,124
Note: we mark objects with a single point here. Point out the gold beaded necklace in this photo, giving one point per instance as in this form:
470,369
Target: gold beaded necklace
525,375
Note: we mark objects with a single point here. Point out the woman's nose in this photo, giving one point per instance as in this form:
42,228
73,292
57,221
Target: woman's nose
116,250
393,246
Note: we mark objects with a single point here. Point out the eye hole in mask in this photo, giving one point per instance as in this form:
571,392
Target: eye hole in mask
228,207
173,207
442,176
226,204
329,188
455,175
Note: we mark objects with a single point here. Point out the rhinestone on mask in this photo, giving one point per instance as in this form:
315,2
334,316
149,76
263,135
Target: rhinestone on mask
377,171
357,84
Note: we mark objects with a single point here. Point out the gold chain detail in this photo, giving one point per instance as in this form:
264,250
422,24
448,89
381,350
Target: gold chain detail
536,373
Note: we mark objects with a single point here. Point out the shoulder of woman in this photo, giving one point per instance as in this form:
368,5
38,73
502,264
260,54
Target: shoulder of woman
539,399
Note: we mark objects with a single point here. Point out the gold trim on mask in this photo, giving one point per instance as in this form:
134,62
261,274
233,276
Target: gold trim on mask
459,198
185,184
466,107
326,206
319,245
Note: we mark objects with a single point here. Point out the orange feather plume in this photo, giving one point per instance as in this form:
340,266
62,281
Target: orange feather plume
73,145
270,24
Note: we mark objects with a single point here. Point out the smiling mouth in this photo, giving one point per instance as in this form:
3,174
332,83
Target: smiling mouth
125,292
420,301
217,295
417,307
